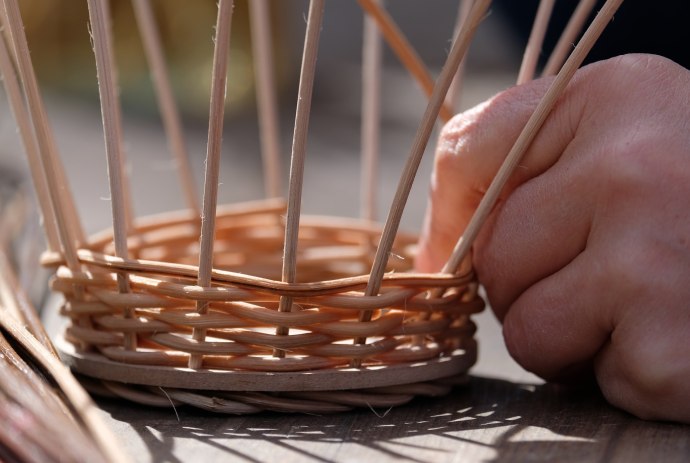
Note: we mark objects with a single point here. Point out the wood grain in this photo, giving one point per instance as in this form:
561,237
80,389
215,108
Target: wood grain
487,420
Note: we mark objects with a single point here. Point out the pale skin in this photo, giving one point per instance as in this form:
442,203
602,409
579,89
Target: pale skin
586,257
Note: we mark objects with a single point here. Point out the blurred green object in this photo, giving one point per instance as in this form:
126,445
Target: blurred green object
58,34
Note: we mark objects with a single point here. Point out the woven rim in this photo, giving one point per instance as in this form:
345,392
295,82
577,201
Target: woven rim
419,319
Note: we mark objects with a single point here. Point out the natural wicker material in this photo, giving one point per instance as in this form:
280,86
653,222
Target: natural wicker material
410,328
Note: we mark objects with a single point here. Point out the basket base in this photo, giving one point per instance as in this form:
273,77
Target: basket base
243,403
339,379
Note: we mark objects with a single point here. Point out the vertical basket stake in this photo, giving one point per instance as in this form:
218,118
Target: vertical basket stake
535,42
371,118
166,101
531,129
112,129
404,51
215,139
262,55
453,95
526,73
567,38
299,148
460,46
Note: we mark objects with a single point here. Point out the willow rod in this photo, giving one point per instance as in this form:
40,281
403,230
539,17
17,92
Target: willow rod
535,41
166,100
371,116
403,50
453,96
299,148
15,299
112,128
215,140
460,46
67,221
76,397
262,52
26,133
567,38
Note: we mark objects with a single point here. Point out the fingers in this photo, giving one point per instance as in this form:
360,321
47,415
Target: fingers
652,389
472,147
559,323
537,230
586,255
645,367
622,307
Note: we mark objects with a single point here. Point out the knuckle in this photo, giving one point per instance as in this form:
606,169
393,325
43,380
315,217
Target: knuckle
644,386
645,68
628,164
619,74
454,142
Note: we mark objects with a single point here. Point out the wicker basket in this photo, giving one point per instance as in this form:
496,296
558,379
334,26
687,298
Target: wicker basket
249,345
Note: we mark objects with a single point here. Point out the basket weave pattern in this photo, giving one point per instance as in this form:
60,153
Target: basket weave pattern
242,321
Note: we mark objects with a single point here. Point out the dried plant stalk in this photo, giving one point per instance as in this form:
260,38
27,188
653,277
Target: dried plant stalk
299,149
21,115
16,302
535,42
69,227
459,49
40,421
166,101
453,96
405,52
266,96
112,128
568,36
215,137
371,117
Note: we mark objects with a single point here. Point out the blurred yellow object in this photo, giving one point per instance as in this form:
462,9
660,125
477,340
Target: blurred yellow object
57,31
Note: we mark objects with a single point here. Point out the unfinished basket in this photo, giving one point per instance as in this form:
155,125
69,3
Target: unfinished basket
252,307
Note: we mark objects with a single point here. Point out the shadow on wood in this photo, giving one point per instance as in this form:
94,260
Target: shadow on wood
487,420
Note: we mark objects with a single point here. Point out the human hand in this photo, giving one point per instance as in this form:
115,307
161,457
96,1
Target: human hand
586,257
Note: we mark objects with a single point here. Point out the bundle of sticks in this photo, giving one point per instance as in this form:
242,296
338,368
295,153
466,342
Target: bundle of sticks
46,415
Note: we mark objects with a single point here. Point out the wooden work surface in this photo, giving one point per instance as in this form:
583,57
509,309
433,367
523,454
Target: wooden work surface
487,420
490,419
